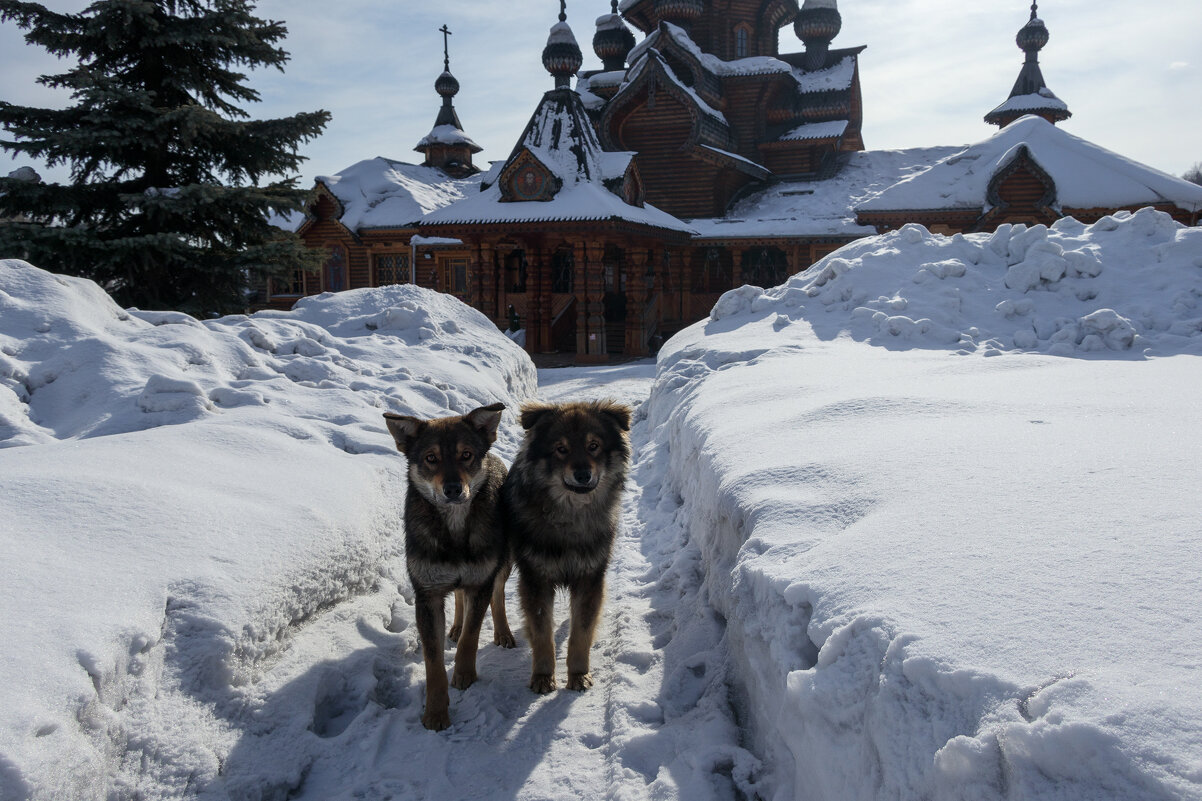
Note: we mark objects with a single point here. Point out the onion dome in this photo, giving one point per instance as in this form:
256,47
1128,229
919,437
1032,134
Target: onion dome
816,25
562,57
613,41
681,12
446,85
1034,35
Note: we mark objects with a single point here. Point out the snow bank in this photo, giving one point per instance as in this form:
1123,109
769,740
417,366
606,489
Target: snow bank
1129,283
946,576
176,497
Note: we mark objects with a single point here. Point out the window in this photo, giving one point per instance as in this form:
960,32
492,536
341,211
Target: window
563,264
392,268
740,42
335,269
294,285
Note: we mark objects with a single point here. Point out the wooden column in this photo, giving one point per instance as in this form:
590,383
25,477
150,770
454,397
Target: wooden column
487,272
636,303
538,294
580,289
597,349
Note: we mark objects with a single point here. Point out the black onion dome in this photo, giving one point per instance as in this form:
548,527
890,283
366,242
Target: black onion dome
562,57
1034,35
446,85
613,41
679,10
817,22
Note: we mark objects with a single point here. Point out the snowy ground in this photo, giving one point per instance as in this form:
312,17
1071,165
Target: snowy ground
919,524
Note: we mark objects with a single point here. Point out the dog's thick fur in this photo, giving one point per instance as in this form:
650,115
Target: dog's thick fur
560,506
454,541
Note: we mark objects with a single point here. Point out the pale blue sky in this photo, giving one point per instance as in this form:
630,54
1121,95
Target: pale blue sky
1131,73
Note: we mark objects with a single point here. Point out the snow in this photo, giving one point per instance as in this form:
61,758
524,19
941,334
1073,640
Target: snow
821,208
177,497
1043,99
383,193
1085,175
580,201
447,134
944,575
816,130
920,523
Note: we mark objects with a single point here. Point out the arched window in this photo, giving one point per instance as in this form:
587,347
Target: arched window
741,36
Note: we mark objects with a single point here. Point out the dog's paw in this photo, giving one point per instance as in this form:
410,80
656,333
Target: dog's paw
580,681
453,634
504,639
462,679
436,719
542,683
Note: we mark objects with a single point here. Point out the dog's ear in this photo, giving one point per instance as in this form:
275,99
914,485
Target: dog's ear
486,419
403,429
533,412
618,412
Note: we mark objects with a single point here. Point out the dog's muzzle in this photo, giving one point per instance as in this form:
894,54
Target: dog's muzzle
452,492
582,482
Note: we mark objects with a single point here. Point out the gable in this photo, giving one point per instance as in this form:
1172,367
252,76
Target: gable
526,178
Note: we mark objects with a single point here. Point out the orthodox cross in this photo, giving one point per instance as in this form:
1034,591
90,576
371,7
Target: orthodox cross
563,10
1034,8
446,56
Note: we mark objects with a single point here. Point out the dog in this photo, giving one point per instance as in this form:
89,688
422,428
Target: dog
560,508
454,541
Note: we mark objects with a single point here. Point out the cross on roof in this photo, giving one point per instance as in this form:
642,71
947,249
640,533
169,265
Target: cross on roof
446,56
563,10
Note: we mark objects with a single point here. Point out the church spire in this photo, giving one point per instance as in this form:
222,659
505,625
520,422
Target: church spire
1030,94
447,146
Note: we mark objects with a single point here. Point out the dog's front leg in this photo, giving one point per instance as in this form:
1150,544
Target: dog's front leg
476,603
431,628
457,620
538,605
587,596
501,634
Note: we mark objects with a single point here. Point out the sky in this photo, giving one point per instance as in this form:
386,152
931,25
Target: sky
1130,73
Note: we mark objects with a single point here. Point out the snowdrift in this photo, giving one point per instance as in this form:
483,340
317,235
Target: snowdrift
176,496
946,576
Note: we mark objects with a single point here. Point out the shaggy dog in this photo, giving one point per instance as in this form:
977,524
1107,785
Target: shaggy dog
454,541
560,507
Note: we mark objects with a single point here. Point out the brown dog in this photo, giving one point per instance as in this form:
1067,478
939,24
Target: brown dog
560,507
454,541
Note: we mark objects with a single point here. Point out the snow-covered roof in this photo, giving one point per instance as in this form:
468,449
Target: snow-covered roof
820,208
561,138
447,135
816,130
1043,100
1086,175
383,193
576,203
835,78
653,56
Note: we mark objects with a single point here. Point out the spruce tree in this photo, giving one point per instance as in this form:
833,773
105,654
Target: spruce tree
164,208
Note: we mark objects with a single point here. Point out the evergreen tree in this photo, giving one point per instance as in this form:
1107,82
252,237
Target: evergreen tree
164,207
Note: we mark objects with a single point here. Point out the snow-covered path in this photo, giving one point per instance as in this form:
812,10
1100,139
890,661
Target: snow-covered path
336,715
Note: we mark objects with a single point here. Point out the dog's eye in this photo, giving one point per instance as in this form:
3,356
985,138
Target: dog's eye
466,456
562,450
593,447
431,459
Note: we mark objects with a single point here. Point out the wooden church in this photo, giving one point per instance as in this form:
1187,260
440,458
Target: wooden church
696,160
